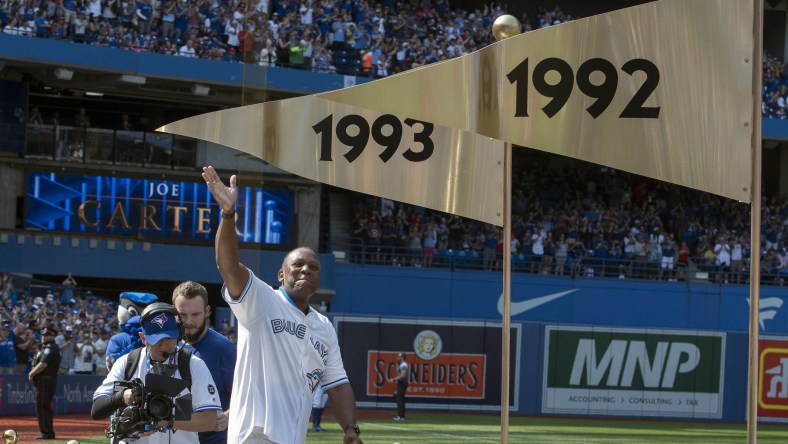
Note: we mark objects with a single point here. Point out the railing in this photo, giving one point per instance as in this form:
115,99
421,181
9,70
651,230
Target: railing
698,269
111,147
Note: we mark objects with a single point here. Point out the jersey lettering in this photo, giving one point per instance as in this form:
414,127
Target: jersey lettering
322,350
282,325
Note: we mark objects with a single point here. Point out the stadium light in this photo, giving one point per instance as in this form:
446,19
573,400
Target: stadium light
137,80
64,74
201,90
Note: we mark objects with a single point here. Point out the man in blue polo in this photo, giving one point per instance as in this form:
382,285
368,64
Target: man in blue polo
191,301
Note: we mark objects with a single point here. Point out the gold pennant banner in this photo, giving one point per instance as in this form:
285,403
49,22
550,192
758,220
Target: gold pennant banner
399,158
663,90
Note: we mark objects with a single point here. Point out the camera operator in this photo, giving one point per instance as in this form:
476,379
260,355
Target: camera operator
160,334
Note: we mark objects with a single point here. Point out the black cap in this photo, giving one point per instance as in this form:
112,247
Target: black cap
48,331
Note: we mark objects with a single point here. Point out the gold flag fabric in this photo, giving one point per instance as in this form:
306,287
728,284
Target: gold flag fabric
662,90
384,155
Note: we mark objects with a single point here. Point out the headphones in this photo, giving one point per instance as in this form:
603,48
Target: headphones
163,307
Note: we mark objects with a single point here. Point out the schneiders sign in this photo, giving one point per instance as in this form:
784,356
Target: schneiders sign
633,372
450,375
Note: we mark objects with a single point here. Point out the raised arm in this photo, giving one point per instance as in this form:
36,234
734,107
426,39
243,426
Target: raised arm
233,272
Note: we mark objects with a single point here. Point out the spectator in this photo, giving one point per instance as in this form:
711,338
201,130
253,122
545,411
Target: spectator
80,28
100,341
82,119
7,353
109,10
722,251
83,362
68,348
297,49
69,14
42,25
322,61
188,50
23,343
68,286
268,54
168,20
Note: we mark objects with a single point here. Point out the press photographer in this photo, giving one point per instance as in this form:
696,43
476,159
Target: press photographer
136,389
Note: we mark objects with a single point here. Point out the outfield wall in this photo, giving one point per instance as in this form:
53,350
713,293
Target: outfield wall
563,369
599,347
556,369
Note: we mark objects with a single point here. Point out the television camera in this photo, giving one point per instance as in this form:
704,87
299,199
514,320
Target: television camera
155,409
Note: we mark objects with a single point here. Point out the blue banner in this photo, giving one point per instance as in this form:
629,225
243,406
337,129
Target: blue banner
74,394
581,301
146,207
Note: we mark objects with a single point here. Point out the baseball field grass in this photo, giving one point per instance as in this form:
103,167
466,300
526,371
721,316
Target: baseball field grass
441,428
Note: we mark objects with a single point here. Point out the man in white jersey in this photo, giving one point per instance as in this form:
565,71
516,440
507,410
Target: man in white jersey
285,348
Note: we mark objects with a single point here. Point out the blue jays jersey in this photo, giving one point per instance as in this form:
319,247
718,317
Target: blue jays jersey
283,356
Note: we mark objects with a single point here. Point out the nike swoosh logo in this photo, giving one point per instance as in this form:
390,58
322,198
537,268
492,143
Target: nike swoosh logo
530,304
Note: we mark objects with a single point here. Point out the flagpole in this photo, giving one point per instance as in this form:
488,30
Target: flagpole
504,27
755,227
507,293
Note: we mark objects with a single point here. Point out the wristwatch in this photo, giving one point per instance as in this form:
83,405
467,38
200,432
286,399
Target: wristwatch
354,427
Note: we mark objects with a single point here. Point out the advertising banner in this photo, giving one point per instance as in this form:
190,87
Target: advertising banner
451,365
773,379
147,207
74,394
633,372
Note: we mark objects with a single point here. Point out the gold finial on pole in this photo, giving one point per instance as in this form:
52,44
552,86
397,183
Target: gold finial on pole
506,26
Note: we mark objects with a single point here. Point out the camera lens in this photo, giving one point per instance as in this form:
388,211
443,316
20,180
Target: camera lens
159,407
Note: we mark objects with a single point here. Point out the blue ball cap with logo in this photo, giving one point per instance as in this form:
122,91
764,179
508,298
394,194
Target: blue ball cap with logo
160,326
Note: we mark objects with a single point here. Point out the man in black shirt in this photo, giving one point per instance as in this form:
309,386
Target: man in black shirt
43,376
22,343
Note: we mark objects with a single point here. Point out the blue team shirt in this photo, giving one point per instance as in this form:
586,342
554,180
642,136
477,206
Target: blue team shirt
145,9
219,353
7,352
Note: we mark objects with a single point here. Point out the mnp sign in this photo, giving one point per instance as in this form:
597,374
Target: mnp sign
633,372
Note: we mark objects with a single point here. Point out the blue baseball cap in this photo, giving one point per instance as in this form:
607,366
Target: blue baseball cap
160,326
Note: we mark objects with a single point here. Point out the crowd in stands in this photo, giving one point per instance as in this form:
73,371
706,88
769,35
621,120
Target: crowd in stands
584,220
374,38
84,321
775,87
366,37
